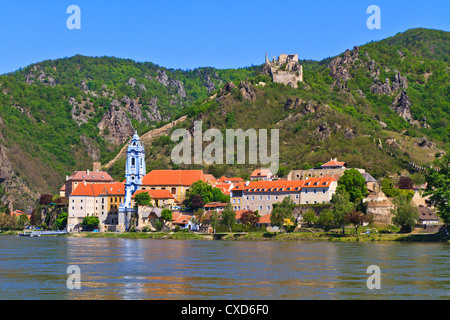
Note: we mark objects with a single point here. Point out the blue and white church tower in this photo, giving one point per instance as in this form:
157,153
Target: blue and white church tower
134,173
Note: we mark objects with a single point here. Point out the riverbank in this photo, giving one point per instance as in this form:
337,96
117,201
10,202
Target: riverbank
265,236
260,236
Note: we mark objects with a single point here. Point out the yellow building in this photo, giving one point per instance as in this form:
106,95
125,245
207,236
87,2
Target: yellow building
159,198
177,182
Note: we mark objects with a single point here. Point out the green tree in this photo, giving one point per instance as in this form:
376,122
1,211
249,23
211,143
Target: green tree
22,220
207,193
61,221
354,183
199,215
282,210
405,214
309,217
91,222
342,206
166,215
326,219
438,187
142,199
387,186
282,171
228,217
214,220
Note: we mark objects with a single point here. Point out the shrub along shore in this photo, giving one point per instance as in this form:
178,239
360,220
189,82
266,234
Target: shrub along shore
314,235
267,236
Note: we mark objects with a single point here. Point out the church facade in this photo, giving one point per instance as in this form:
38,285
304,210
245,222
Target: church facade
134,173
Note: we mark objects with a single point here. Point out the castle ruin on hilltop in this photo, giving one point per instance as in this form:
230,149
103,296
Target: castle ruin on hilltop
286,69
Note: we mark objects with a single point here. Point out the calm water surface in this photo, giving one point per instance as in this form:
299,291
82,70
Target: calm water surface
36,268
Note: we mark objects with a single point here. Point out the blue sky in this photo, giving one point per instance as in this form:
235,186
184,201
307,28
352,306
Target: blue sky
189,34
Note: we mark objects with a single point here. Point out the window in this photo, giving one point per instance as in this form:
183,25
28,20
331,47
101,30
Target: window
248,208
323,190
247,197
253,197
174,190
276,197
315,190
296,196
268,197
260,207
239,200
234,200
133,161
306,202
306,190
315,202
260,197
268,207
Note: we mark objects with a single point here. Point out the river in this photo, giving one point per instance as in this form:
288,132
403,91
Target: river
37,268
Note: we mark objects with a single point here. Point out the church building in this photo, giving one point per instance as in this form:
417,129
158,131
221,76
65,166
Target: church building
134,173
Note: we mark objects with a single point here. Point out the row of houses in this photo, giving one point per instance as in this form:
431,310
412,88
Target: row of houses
95,193
261,195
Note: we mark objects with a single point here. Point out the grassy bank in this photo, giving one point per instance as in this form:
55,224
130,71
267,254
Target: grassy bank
265,236
335,237
146,235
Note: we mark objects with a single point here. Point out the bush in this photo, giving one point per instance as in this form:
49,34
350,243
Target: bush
157,225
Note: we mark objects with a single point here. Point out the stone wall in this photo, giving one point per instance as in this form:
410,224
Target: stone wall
305,174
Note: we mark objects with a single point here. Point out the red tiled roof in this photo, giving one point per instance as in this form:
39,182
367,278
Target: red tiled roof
172,177
18,213
97,189
224,187
215,204
333,163
210,177
260,173
92,176
270,186
239,214
181,219
264,219
233,179
318,182
155,194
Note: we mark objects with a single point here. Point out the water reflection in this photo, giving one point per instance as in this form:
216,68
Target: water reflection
169,269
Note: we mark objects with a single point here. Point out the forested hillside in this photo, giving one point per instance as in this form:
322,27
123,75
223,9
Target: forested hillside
380,106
